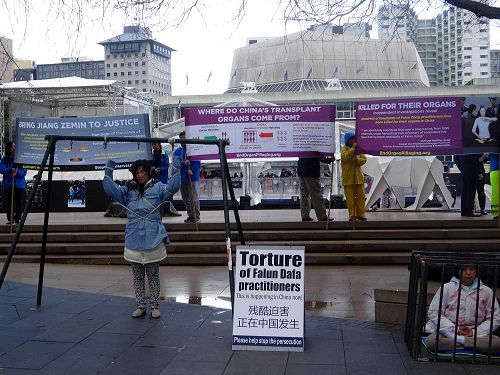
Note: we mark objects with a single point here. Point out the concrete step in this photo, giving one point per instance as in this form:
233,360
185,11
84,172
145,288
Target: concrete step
203,259
270,235
320,246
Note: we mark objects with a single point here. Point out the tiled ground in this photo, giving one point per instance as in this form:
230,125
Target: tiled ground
84,333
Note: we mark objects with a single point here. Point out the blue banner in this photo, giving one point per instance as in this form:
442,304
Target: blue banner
79,155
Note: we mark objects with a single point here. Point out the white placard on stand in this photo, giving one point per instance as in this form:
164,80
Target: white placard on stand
269,298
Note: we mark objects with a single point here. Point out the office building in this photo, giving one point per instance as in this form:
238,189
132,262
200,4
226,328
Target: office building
83,67
454,46
24,70
139,61
6,60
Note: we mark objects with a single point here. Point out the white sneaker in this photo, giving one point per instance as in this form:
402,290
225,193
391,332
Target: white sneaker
138,312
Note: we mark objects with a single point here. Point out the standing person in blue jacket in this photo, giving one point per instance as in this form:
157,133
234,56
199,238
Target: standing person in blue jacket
145,234
190,174
9,173
161,164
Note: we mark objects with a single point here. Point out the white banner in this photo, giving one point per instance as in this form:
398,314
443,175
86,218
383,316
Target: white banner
263,132
269,298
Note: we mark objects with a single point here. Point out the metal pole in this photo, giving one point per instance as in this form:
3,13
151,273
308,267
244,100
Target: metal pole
52,149
12,202
227,225
233,200
19,227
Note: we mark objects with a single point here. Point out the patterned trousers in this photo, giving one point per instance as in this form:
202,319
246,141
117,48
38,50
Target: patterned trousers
152,270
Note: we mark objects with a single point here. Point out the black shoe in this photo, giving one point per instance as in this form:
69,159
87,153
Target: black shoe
483,212
325,219
495,217
307,219
189,220
362,218
472,215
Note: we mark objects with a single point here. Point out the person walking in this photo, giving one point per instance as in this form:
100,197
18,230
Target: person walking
145,234
14,184
352,177
190,175
309,172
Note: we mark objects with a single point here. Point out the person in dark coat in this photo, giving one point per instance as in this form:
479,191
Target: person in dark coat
13,178
470,169
309,171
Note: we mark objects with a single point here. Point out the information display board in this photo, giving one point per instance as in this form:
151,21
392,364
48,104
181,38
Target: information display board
269,298
263,132
78,155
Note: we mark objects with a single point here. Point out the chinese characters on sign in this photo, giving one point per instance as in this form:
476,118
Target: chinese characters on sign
269,298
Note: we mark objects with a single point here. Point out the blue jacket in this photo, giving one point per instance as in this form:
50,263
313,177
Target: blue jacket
194,166
144,229
161,161
6,166
493,162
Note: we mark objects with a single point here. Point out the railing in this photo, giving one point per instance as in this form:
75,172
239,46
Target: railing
454,301
271,187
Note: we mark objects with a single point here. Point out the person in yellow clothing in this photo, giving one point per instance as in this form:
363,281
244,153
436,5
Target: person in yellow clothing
352,178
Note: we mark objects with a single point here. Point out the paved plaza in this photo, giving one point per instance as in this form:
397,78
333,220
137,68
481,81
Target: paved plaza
80,332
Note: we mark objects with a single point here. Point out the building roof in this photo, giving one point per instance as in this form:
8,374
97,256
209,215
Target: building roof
308,60
57,83
133,34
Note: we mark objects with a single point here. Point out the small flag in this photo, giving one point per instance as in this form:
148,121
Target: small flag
209,76
414,66
285,77
260,73
335,71
360,69
234,75
187,79
309,73
467,64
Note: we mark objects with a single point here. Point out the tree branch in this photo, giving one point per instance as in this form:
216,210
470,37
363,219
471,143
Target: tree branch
479,9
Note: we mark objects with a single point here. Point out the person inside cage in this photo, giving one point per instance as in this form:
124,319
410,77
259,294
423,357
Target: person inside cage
465,326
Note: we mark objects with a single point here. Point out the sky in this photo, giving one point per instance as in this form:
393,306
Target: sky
204,43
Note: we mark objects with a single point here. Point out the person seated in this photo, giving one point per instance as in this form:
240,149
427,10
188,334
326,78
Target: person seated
466,329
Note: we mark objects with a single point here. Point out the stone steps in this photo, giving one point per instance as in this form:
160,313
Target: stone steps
376,242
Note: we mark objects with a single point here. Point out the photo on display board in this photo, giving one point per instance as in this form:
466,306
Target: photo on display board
76,193
480,123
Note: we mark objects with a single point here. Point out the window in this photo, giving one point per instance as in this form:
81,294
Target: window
467,48
129,82
129,64
114,56
115,74
467,56
108,65
143,81
144,54
122,55
108,74
129,73
136,81
484,73
136,54
143,72
483,64
115,65
144,63
483,56
137,63
122,65
136,72
122,73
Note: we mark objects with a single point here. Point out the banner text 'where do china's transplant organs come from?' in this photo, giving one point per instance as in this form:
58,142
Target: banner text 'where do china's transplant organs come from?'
263,132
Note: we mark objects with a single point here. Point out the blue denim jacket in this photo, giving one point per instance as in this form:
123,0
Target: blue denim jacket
144,229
